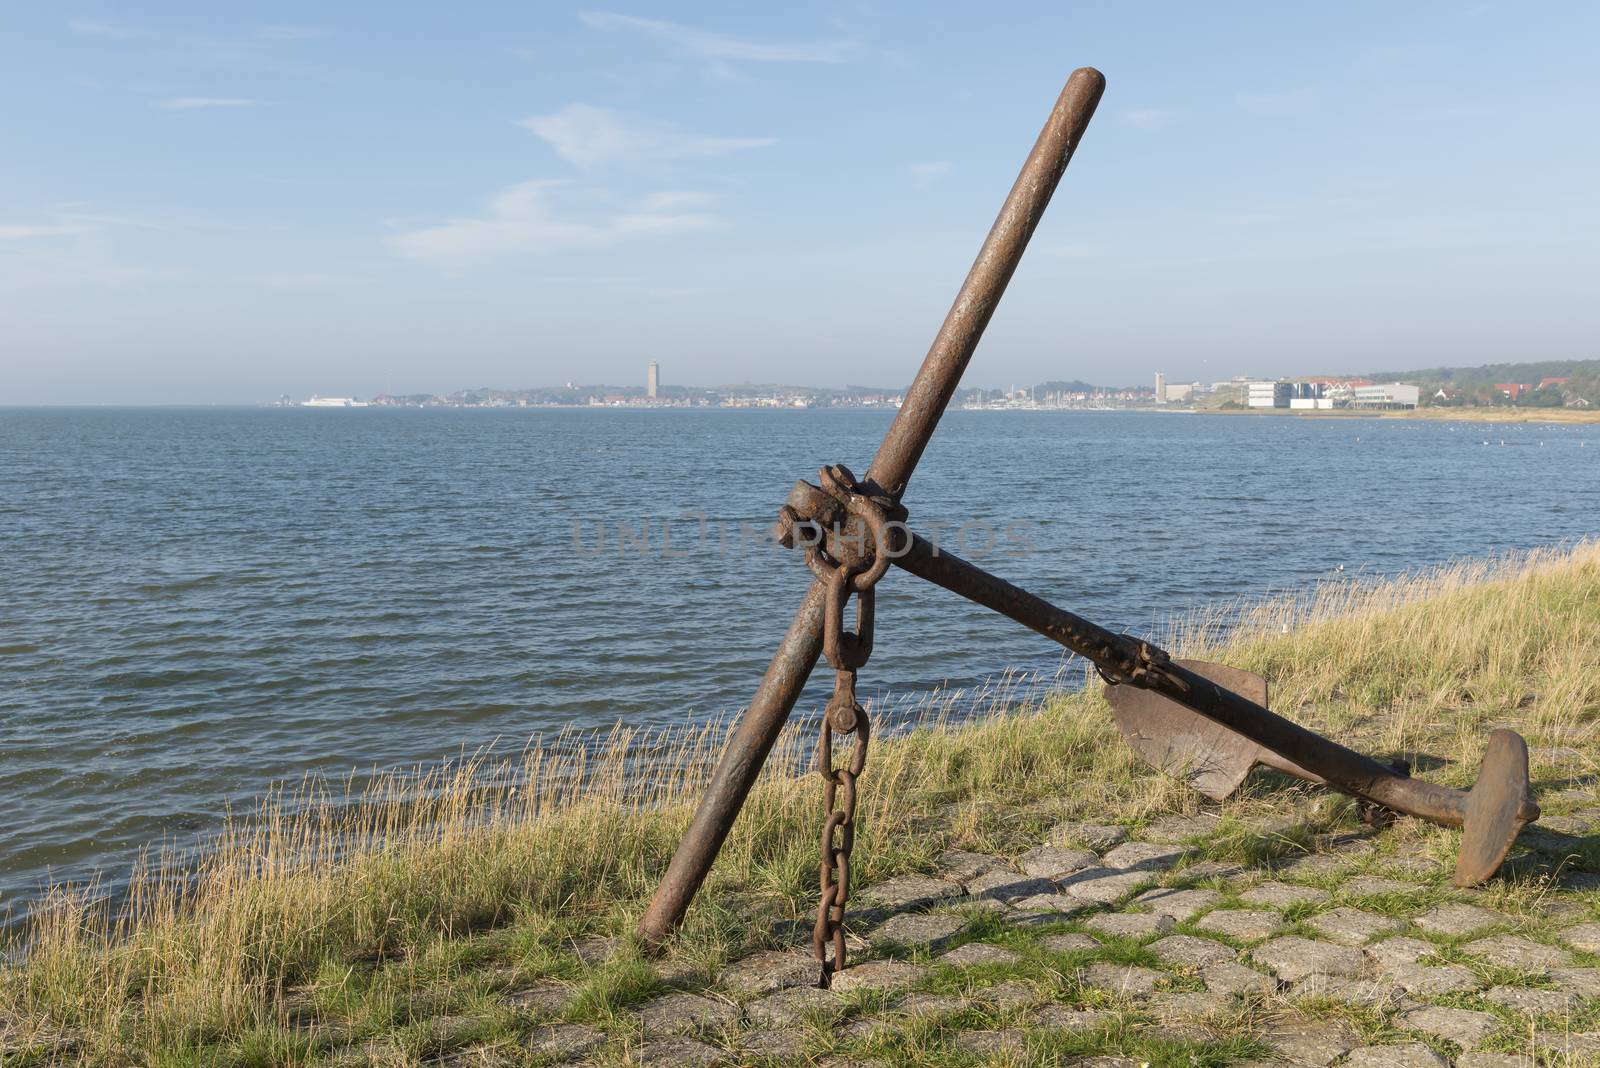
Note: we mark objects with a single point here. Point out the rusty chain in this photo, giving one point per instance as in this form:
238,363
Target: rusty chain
846,652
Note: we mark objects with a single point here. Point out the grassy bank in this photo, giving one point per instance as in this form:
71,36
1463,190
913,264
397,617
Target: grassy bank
319,930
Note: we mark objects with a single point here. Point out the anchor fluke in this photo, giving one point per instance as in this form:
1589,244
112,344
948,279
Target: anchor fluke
1498,807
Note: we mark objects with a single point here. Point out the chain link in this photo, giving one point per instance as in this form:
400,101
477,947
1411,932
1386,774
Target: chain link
846,651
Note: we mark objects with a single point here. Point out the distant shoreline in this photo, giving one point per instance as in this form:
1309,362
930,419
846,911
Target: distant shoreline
1565,416
1551,416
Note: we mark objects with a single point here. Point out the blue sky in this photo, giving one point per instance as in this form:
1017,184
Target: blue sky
222,203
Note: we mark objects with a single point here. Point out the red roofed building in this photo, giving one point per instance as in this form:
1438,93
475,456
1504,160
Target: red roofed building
1513,389
1543,382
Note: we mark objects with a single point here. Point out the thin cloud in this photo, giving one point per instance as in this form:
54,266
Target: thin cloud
97,28
925,174
31,231
200,103
1150,118
705,44
589,136
523,219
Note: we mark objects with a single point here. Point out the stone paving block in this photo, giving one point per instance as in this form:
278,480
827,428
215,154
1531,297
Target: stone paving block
976,905
1181,905
1435,981
961,865
592,949
1584,982
1582,881
1247,925
1411,866
1188,1004
1008,886
1455,919
762,973
686,1012
1057,906
862,1030
1108,1062
685,973
988,1043
878,975
1393,952
1187,951
1309,1040
978,953
1129,924
1378,993
1007,995
1092,835
1142,856
1315,866
917,929
1494,1060
1051,861
1352,927
1578,1047
1561,910
1376,886
1276,895
1411,1055
1069,943
1230,977
1530,1001
774,1044
1177,1030
1210,869
1121,978
564,1040
678,1053
1293,958
1349,843
1103,886
543,996
1465,1027
930,1004
1510,951
792,1006
1171,829
1062,1018
1585,936
911,891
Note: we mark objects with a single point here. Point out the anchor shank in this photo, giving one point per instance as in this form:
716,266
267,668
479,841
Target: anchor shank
908,435
997,260
1342,768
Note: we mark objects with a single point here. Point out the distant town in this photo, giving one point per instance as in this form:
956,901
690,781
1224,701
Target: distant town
1438,387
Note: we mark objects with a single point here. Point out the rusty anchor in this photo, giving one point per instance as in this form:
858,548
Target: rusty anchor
1209,723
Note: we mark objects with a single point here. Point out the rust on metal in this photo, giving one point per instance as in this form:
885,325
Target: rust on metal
845,574
1504,806
897,456
1208,722
1499,806
1212,759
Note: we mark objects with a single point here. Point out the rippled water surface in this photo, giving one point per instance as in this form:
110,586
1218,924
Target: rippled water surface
199,603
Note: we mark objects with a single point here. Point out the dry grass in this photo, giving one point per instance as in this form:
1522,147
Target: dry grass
426,895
